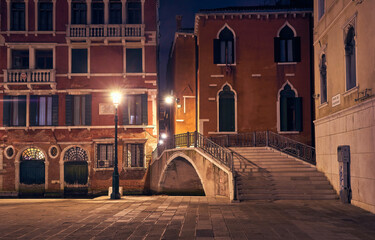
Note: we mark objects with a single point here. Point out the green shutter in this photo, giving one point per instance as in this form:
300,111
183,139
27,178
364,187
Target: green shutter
299,113
6,110
55,110
283,114
69,110
125,112
144,109
217,51
33,110
22,110
276,47
296,49
88,110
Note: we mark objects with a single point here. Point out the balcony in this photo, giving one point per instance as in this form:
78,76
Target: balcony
112,31
29,77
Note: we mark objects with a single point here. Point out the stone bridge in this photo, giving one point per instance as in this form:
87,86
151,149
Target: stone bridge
190,170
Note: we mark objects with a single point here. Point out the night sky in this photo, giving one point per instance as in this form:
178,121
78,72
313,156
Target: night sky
187,8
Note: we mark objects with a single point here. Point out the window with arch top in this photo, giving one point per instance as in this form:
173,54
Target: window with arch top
287,46
323,79
350,60
224,47
227,110
290,110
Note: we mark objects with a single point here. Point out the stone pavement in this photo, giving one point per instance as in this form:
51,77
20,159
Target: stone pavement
182,217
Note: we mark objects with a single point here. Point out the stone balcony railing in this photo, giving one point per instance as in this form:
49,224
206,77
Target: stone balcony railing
105,31
29,77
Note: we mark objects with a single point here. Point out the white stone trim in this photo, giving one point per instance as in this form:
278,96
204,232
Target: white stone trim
234,44
49,151
290,26
278,107
5,152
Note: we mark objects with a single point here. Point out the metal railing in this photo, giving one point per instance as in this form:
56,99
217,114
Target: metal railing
268,139
105,30
29,76
195,139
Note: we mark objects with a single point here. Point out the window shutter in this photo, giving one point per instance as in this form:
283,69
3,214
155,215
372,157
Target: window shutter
125,113
298,105
217,51
69,110
33,110
22,110
88,110
144,109
6,110
55,110
276,45
283,114
296,49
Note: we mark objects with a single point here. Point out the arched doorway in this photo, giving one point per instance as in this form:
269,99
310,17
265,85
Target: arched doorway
180,178
32,172
227,110
75,171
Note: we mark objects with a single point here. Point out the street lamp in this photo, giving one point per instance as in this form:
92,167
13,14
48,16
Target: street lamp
116,97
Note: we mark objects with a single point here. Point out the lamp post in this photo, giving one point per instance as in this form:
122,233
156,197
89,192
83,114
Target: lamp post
116,97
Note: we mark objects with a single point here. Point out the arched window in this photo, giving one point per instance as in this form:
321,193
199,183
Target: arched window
32,168
290,110
287,46
350,59
76,154
323,79
224,47
227,110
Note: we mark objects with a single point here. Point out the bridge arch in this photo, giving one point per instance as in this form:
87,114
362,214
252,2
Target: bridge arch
180,156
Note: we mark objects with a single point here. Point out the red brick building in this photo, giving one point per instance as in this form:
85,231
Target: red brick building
59,61
253,71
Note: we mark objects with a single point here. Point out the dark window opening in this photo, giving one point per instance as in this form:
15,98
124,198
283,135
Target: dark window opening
78,12
287,46
290,110
115,12
323,79
43,59
45,13
20,59
350,59
79,60
226,110
134,60
134,13
224,47
17,16
97,12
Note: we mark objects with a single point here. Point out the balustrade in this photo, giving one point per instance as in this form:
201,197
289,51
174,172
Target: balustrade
103,30
29,76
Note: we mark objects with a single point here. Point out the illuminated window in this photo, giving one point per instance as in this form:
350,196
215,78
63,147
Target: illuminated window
32,154
105,155
135,155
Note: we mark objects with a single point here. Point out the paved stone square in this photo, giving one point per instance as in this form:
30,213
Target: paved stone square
181,217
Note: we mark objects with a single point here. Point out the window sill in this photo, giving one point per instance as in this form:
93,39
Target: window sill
213,133
288,132
286,63
103,169
325,104
224,65
350,91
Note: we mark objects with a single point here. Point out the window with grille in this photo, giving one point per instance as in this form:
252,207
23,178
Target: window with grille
135,155
105,155
17,16
45,16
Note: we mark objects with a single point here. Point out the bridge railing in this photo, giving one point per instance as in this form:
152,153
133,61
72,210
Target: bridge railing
269,139
195,139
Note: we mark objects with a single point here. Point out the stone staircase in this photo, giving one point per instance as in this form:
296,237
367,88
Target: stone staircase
267,174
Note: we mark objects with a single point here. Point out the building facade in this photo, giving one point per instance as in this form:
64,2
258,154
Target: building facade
344,86
60,61
253,71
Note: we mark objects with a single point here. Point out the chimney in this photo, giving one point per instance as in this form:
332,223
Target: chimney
178,22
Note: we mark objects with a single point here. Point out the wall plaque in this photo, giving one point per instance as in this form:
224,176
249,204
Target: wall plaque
106,109
336,100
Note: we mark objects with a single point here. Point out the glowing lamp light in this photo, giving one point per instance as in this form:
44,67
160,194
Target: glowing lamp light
116,97
161,142
163,135
169,99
